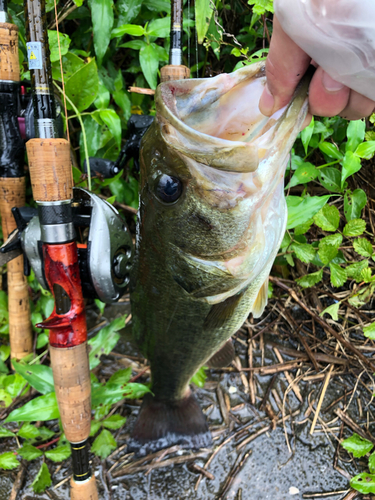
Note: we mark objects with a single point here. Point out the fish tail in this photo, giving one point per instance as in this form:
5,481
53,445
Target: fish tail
163,424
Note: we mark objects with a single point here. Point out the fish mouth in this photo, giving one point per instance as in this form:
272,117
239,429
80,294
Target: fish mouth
217,122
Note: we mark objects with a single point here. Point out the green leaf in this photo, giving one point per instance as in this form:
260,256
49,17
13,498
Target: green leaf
41,408
355,133
363,247
303,228
95,426
14,384
113,122
304,252
28,431
6,433
43,479
328,218
128,29
338,275
159,27
128,10
102,22
70,62
310,279
102,101
357,445
104,444
350,165
261,6
82,87
369,331
45,433
134,44
149,60
42,340
371,463
300,210
330,178
355,270
122,100
328,247
114,422
8,461
364,483
354,227
5,398
330,150
105,341
203,14
54,46
366,150
332,311
354,202
40,377
4,352
199,378
29,452
121,377
305,173
306,135
113,393
60,453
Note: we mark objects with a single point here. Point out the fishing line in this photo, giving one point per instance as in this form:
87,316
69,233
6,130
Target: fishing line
62,73
188,33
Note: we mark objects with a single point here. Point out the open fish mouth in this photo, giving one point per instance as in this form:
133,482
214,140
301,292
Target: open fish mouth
217,121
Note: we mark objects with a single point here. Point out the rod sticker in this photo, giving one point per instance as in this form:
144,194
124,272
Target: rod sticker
34,55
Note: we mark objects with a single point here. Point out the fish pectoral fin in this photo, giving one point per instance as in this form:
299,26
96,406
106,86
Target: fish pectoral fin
161,424
220,313
223,357
261,300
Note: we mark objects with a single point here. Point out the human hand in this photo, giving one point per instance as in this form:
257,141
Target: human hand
286,64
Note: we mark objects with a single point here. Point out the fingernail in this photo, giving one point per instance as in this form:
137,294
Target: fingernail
330,84
267,102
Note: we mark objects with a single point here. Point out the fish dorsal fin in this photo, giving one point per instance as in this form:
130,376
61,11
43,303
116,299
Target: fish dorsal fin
223,357
220,313
261,300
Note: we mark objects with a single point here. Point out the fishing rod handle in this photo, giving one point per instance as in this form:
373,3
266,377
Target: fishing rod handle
52,184
84,491
172,72
12,194
9,62
50,169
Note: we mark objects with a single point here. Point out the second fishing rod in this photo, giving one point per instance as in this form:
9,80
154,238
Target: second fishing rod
12,183
52,185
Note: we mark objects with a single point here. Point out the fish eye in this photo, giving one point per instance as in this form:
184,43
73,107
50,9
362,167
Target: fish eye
168,188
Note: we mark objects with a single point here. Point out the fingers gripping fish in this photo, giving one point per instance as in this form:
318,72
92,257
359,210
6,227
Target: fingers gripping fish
211,219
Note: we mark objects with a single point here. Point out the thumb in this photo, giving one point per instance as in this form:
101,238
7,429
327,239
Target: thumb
286,64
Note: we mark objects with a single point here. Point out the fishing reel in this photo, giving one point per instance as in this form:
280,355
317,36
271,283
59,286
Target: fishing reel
104,244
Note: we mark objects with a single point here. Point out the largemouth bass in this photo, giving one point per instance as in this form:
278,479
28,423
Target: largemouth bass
211,219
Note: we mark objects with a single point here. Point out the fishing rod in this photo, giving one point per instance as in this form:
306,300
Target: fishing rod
12,184
52,186
175,70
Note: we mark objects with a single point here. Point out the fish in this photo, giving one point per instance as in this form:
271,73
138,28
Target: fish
212,215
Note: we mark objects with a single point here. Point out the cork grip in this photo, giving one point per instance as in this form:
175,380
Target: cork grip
83,491
50,169
71,374
12,194
9,62
171,72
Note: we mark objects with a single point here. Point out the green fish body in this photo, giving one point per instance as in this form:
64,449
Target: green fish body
211,219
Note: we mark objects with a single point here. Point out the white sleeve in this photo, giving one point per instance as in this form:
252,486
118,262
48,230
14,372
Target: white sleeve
338,34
